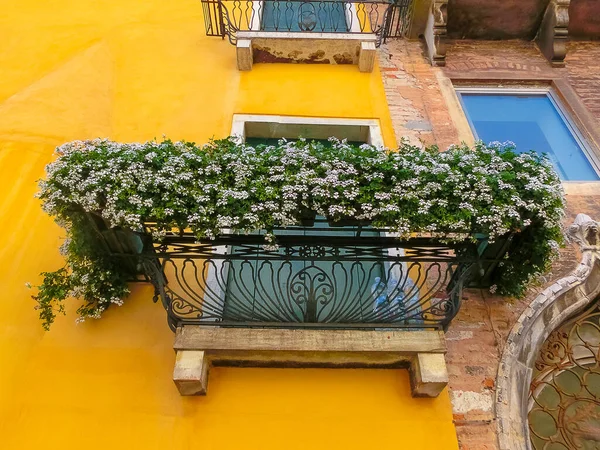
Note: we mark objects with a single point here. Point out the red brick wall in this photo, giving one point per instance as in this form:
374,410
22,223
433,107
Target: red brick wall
583,66
476,340
477,335
416,104
513,56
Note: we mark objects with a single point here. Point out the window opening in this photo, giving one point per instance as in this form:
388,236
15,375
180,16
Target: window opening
564,403
533,121
318,289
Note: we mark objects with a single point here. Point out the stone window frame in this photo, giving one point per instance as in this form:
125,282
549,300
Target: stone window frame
583,119
590,150
547,312
200,347
265,125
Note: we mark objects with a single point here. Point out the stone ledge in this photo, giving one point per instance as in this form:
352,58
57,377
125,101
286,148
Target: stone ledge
309,48
200,347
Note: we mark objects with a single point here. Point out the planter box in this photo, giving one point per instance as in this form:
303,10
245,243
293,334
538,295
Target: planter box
122,243
348,223
307,218
491,254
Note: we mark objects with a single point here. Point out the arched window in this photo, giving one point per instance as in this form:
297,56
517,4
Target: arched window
564,401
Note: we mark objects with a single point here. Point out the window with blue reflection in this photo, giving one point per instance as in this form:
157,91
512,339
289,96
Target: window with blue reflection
532,122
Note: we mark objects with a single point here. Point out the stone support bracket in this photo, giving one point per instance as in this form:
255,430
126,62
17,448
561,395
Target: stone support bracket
366,58
553,33
428,374
436,32
199,347
244,54
191,372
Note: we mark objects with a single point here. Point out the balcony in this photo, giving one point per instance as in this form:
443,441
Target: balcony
235,241
323,276
328,295
295,31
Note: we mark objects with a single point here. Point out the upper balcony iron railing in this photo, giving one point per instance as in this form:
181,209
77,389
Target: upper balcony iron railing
319,277
384,18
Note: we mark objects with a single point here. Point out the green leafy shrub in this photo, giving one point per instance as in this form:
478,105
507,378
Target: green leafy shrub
489,190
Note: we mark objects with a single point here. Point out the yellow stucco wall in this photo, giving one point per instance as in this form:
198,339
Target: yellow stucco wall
134,70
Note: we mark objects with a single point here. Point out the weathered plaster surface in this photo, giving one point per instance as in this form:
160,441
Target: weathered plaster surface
508,19
466,401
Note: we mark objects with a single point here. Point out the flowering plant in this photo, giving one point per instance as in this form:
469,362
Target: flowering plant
225,184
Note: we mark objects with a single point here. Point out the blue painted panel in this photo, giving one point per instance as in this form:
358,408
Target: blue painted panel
323,17
532,123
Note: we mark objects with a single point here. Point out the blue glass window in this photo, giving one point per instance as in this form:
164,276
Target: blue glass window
322,17
532,122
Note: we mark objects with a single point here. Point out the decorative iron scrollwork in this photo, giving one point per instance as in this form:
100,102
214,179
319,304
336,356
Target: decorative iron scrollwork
565,392
384,18
312,251
316,280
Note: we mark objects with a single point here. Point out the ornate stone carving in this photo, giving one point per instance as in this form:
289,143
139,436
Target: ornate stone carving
435,32
585,232
546,313
564,403
553,32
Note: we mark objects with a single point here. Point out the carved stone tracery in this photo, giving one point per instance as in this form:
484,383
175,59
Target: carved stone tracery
538,346
564,403
585,232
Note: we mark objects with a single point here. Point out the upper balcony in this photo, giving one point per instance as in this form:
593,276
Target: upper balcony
297,31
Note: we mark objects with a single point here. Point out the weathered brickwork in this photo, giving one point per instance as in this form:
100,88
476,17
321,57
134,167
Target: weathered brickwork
418,110
583,66
420,113
476,339
504,56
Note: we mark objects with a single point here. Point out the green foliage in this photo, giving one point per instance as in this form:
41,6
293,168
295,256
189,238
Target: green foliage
54,289
90,274
490,190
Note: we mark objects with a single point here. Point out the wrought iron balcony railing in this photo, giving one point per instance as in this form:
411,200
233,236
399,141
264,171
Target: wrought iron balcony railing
384,18
320,277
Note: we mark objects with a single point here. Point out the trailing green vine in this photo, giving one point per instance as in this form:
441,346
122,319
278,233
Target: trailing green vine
489,190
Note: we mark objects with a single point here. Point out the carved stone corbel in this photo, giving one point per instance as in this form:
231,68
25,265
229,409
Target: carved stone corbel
435,32
585,232
553,32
